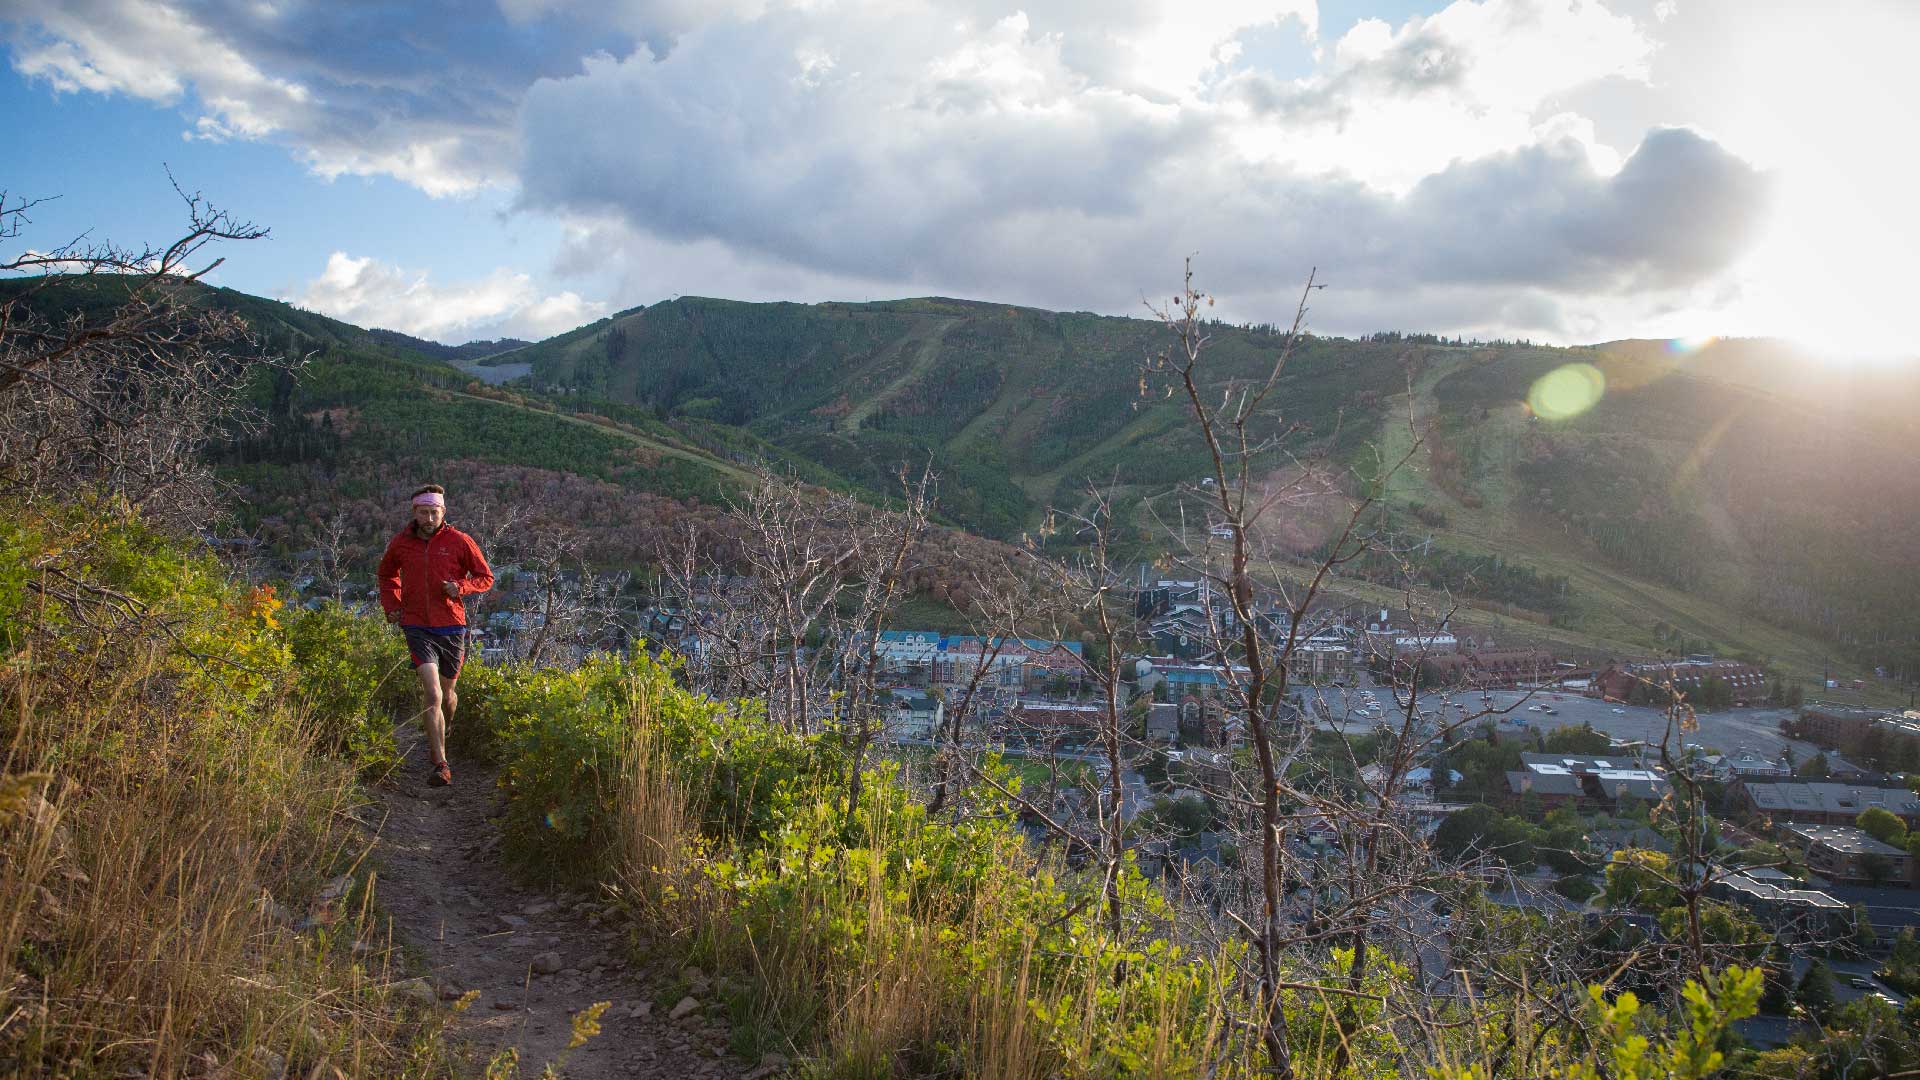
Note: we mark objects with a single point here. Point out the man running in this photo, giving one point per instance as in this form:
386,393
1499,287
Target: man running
428,567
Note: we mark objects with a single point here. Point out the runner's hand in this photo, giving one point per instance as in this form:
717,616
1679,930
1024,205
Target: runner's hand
452,588
393,616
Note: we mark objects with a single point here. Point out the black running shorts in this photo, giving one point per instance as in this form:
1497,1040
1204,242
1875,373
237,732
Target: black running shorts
443,650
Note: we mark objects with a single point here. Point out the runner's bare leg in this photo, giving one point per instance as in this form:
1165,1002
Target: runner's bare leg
449,701
435,722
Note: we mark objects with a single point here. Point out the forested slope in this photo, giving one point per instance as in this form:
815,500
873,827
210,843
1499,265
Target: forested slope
1745,479
1734,499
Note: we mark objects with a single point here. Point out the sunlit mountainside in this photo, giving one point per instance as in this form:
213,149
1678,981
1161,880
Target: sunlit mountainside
1709,494
1738,498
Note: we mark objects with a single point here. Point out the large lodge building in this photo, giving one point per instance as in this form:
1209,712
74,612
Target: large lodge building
1747,682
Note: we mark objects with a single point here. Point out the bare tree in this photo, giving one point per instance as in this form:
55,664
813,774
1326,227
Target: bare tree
1254,475
1005,600
1095,593
793,615
114,372
338,551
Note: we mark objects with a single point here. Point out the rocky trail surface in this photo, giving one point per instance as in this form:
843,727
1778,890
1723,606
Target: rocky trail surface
536,959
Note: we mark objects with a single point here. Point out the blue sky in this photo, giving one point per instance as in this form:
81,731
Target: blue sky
1567,170
107,159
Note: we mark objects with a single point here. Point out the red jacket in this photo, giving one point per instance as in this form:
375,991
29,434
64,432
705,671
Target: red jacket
412,569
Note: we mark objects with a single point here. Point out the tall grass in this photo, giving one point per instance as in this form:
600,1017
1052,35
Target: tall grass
872,942
183,886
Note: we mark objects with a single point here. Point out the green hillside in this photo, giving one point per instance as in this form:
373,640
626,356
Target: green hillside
1015,405
1736,499
368,413
1740,499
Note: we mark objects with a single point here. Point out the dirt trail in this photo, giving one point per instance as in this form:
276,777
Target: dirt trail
536,958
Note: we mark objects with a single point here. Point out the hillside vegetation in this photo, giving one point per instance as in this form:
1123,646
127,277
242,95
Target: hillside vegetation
1733,499
1730,500
182,886
190,880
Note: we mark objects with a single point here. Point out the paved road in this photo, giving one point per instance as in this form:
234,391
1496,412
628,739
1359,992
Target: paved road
1728,730
1845,971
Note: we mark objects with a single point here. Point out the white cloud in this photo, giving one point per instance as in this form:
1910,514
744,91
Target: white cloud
1065,153
1396,105
983,162
369,293
233,63
153,51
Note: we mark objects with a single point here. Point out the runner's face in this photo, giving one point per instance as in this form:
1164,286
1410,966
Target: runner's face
428,518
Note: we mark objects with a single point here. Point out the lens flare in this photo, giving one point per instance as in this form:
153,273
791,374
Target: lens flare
1686,346
1566,392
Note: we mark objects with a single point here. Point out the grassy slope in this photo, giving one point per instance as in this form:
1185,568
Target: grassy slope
1018,407
1490,510
1021,407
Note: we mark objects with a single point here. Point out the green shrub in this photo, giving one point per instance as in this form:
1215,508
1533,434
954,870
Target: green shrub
190,815
880,942
352,678
1578,888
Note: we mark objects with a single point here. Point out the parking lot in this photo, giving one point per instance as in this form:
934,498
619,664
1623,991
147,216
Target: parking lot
1726,730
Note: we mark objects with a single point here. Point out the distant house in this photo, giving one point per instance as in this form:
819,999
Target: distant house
915,714
1417,785
1748,763
903,652
1548,781
1745,682
1872,733
1164,594
1844,853
1547,791
1182,631
1324,657
1489,667
1839,727
1823,803
1416,645
1054,717
1163,722
1784,905
1182,678
956,658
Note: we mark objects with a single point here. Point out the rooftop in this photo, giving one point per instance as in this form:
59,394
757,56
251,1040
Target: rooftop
1522,781
1616,766
1843,838
1828,798
1746,885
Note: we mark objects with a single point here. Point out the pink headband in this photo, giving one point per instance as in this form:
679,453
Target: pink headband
429,498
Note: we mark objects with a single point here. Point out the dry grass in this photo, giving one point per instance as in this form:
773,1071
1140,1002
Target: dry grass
862,981
174,892
658,821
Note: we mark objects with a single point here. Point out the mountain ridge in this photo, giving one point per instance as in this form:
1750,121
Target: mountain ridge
1681,511
1722,471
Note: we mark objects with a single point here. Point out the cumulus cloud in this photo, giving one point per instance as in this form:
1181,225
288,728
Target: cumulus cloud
981,161
425,93
1066,153
370,293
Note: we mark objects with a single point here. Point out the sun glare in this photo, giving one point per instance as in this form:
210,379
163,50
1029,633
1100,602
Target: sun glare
1566,392
1687,346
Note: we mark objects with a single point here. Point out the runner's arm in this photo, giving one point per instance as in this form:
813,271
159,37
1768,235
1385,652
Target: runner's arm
388,578
479,575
